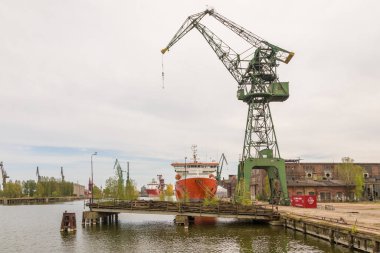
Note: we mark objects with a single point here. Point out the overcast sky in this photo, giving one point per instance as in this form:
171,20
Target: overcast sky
84,76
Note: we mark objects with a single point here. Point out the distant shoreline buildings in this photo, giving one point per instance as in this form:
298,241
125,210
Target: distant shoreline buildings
79,190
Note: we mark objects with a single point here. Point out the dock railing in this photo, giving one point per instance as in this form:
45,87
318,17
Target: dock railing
198,208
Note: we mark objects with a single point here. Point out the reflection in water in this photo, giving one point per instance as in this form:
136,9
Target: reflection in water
68,240
36,229
207,221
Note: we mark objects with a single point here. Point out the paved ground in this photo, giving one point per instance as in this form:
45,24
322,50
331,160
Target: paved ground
366,215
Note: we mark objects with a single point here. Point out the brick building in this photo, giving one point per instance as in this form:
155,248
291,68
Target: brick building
326,190
322,180
315,179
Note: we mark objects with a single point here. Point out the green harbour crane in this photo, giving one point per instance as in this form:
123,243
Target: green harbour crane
255,71
220,167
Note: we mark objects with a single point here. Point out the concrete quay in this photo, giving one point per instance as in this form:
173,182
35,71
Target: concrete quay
354,225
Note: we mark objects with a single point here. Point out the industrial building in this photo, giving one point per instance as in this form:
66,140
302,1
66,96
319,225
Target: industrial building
315,179
78,190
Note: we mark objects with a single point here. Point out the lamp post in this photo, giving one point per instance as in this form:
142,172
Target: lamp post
92,179
185,179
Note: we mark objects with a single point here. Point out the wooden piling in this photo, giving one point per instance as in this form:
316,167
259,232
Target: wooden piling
94,218
331,236
376,246
68,223
182,220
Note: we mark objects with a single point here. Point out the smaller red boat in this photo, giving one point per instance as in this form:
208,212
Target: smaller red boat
154,188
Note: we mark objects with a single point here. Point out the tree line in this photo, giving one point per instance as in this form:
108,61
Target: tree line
45,187
119,189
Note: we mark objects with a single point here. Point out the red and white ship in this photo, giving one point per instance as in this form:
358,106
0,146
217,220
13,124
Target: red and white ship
154,188
195,180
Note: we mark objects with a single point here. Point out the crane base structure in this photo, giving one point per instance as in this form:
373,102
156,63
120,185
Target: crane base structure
275,168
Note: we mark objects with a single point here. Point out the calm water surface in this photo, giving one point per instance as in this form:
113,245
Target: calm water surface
35,228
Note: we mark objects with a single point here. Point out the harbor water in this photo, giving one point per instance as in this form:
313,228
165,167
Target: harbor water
36,228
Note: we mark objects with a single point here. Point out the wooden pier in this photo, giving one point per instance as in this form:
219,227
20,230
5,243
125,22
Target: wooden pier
191,209
93,218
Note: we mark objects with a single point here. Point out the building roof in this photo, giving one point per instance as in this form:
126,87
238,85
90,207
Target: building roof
292,161
319,183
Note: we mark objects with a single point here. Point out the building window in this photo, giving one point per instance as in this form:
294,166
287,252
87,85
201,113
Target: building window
367,168
311,193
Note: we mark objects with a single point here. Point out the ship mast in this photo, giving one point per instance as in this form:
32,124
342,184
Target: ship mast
194,148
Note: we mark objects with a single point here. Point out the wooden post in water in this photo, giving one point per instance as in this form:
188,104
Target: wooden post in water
68,223
332,236
350,241
376,246
182,220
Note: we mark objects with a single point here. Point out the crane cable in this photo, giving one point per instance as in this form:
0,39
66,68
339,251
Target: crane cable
163,74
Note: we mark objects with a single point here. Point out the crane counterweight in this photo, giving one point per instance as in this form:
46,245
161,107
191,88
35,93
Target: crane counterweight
163,51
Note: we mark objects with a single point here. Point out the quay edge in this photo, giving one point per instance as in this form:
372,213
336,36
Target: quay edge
347,235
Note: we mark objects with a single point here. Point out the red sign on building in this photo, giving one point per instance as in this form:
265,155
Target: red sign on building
305,201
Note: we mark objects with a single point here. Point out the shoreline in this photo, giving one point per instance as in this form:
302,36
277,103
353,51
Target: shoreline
37,200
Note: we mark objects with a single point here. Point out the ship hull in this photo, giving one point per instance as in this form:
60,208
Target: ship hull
197,189
153,192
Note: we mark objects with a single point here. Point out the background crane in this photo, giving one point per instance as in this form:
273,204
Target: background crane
128,173
258,85
220,167
62,176
3,174
38,175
